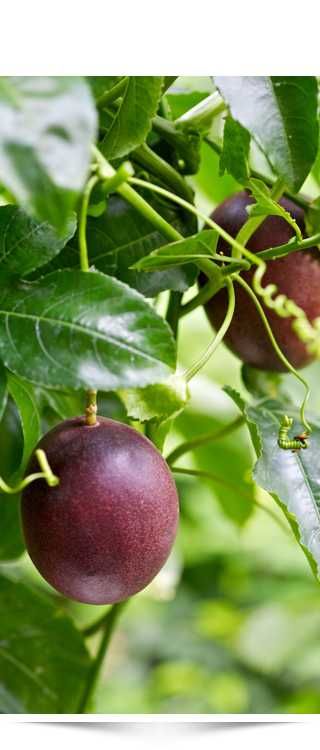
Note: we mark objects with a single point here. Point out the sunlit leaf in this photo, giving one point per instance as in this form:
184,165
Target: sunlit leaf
75,330
47,125
280,112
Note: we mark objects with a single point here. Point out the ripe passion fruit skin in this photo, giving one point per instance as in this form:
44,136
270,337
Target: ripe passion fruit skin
106,530
296,275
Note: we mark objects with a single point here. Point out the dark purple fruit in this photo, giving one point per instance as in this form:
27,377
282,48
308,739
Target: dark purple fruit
296,275
105,531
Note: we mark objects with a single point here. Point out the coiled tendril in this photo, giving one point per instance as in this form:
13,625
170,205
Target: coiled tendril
308,333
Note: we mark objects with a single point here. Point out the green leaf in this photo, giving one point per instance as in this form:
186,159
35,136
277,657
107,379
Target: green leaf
280,113
234,157
11,449
3,389
11,541
24,396
77,330
65,405
100,84
201,245
266,206
293,479
132,120
44,662
168,81
47,125
158,402
120,237
26,244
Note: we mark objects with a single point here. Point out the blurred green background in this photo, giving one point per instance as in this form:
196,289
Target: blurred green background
232,623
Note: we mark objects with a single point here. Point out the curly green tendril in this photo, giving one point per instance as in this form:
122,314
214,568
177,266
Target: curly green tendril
46,474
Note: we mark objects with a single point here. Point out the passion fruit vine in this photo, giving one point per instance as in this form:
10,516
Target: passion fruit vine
106,530
297,276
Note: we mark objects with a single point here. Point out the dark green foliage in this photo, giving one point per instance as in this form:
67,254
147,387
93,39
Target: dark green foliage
237,578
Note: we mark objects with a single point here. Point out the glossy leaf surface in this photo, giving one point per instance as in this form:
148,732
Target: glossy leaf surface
73,330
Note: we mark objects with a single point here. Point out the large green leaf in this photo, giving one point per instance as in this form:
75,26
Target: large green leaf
74,330
280,112
47,125
26,244
292,478
117,239
131,121
44,662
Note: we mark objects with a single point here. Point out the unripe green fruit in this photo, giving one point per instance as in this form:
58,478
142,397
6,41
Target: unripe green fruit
297,276
106,530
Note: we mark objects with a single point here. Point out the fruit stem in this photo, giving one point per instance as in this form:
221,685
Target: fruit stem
207,437
46,474
231,486
84,260
194,369
277,349
91,408
109,623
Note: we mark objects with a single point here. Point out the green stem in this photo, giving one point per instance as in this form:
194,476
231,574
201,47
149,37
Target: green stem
46,474
97,625
199,364
161,169
231,486
173,311
105,171
112,94
91,410
84,260
304,202
277,349
201,115
213,285
206,219
207,437
109,624
290,247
